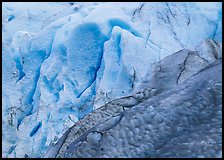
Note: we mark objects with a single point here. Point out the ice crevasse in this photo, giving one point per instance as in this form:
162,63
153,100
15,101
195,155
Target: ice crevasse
83,60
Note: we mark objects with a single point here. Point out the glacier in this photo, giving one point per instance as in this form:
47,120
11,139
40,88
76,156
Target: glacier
62,61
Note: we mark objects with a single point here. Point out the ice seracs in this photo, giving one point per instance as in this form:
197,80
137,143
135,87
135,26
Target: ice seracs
61,61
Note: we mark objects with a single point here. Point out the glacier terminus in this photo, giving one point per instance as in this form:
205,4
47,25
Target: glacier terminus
112,79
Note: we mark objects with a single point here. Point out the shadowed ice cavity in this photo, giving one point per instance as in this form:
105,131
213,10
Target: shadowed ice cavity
85,49
19,66
35,129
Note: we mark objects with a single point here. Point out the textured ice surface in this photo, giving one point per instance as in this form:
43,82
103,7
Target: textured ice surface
63,60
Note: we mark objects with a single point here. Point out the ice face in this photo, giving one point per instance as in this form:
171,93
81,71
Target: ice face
62,60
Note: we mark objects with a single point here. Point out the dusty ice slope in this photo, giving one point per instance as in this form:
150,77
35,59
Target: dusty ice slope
63,60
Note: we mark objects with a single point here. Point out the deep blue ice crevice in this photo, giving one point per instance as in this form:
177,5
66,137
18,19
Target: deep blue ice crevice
11,149
85,42
29,98
119,52
35,129
11,17
19,121
19,66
